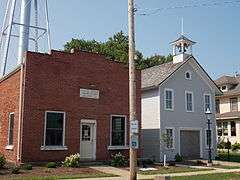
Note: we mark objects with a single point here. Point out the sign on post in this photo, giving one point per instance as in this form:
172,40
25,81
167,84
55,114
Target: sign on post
134,127
134,141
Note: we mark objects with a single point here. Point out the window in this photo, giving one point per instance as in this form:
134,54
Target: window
219,129
224,88
188,75
54,129
189,101
207,102
169,138
225,128
233,128
10,129
208,136
233,104
217,106
118,132
169,99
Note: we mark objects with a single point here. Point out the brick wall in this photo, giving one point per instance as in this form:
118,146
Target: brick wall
9,102
53,83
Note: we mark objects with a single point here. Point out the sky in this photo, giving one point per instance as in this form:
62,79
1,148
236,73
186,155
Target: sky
216,29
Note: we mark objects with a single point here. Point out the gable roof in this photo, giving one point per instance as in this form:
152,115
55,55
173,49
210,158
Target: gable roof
183,38
227,80
230,80
155,76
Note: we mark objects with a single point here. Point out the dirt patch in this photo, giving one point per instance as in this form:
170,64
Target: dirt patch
39,171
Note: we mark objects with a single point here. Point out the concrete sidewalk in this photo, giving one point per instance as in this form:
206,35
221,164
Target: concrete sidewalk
124,174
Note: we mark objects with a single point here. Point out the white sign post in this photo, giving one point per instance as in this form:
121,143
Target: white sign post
134,127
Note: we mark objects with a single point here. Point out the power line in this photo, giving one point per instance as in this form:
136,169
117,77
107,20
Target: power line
148,12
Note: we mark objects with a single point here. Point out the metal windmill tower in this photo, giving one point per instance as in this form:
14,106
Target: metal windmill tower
31,26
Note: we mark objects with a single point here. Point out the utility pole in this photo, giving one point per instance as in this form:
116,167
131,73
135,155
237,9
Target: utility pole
132,89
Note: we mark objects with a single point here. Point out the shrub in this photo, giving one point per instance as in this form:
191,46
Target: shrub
15,170
2,161
118,160
221,145
72,161
224,145
51,165
27,167
236,146
228,145
200,163
178,158
171,164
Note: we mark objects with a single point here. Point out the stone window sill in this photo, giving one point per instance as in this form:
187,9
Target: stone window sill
54,148
117,147
9,147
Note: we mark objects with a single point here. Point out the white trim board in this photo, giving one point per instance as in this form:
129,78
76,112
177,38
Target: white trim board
52,148
189,92
164,98
126,130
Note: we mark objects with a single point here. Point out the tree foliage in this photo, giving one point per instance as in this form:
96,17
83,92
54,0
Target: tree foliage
116,48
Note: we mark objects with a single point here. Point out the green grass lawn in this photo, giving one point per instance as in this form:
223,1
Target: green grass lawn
225,176
226,167
234,157
171,169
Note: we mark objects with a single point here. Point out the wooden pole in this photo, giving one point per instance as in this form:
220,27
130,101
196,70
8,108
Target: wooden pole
132,85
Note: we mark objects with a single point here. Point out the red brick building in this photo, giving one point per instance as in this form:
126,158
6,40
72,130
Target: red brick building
65,103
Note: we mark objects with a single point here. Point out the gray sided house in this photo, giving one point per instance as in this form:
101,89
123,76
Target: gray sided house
175,97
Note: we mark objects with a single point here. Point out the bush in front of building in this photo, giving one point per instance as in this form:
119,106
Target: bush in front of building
119,160
51,165
2,161
235,146
15,170
27,167
178,158
224,145
72,161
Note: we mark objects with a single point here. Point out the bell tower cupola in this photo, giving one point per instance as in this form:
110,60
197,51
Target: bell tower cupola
182,48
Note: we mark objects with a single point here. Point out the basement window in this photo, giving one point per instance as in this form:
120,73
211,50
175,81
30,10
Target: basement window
54,131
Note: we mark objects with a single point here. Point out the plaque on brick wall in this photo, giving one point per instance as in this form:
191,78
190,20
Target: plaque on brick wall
89,93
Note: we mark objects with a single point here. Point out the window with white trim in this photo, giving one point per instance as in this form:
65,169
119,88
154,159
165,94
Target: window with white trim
10,129
225,128
189,101
233,128
234,104
207,102
169,138
54,128
208,137
188,75
118,130
169,99
219,128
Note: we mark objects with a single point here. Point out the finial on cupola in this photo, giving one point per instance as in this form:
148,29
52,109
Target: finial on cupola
182,47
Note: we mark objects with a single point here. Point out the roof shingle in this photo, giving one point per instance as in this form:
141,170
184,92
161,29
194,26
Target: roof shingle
152,77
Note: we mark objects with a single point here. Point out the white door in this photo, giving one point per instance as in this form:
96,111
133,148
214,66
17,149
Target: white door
88,140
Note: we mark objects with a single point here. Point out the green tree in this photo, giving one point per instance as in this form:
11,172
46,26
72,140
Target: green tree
116,48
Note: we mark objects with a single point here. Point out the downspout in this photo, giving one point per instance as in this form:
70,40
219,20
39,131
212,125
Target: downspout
21,107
